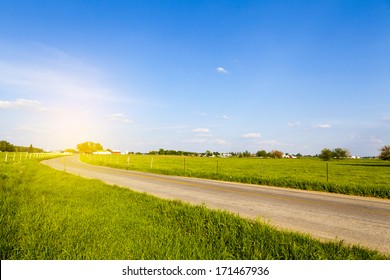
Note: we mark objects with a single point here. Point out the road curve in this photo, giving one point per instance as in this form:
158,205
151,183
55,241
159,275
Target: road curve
356,220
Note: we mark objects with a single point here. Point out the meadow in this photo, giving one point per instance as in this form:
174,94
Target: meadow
363,177
50,214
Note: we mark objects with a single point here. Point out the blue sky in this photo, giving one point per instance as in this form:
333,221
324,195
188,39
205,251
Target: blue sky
296,76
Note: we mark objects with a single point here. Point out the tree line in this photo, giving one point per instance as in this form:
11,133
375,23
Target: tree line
8,147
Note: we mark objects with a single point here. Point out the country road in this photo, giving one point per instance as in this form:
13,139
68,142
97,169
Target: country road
356,220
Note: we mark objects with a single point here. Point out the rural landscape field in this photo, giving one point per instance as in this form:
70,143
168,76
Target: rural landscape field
49,214
364,177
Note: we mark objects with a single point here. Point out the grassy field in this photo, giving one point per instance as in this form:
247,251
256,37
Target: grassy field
357,177
49,214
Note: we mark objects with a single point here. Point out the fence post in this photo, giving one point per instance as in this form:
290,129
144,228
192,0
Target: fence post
327,172
6,156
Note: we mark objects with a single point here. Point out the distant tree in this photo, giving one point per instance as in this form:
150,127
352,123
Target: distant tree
276,154
30,149
6,147
89,147
246,154
261,153
340,153
73,151
326,154
385,152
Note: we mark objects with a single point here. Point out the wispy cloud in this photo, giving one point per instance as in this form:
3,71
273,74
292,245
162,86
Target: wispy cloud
375,140
22,103
196,141
274,143
294,124
201,130
167,127
222,70
118,117
221,142
218,141
322,125
251,135
199,113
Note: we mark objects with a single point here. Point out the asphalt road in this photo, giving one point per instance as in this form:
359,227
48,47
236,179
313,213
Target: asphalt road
356,220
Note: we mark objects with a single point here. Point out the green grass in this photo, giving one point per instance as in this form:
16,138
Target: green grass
356,177
49,214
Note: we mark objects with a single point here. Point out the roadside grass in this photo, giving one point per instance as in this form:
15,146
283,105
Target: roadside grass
49,214
354,177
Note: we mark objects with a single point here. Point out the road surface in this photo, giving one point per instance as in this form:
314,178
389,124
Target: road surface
356,220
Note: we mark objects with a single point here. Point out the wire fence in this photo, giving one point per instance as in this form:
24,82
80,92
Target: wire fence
344,172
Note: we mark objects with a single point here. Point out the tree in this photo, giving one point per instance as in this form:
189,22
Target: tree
277,154
340,153
89,147
326,154
261,153
6,147
30,149
385,152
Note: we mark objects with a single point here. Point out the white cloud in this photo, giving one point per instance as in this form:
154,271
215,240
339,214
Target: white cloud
222,70
225,117
118,117
22,103
201,130
252,135
322,125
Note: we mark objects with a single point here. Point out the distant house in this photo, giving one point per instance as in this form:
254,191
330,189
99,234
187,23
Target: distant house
288,156
115,152
354,157
102,153
226,155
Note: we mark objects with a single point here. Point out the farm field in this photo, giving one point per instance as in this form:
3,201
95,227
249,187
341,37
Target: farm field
352,176
49,214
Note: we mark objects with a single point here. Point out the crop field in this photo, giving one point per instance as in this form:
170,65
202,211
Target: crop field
50,214
353,176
